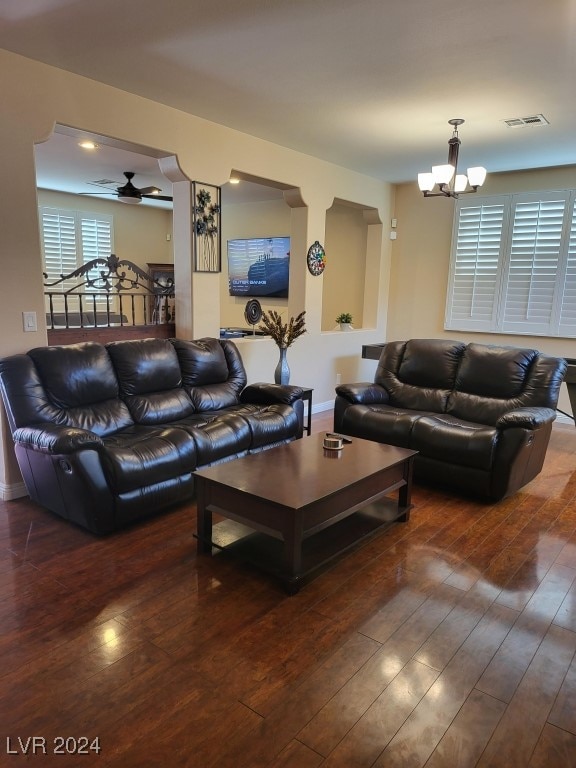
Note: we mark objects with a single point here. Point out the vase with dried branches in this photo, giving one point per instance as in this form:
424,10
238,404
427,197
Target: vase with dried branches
284,334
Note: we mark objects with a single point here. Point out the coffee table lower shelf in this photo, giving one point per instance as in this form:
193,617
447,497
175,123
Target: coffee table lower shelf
318,550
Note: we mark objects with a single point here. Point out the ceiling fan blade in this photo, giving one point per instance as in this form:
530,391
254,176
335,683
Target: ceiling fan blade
97,193
149,190
159,197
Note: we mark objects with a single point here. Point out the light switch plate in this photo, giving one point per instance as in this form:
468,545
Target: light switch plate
29,321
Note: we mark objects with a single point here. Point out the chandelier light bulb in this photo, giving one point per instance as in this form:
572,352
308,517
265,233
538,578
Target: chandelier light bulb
476,176
443,173
426,182
460,182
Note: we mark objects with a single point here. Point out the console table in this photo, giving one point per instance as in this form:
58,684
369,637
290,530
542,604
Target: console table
372,351
570,380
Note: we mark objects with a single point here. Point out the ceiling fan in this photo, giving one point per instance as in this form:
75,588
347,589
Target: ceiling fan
128,193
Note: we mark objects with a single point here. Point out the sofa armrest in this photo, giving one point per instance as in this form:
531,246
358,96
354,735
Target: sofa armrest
526,418
54,439
263,393
363,393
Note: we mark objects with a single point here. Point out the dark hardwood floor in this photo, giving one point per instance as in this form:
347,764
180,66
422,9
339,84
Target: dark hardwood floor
446,642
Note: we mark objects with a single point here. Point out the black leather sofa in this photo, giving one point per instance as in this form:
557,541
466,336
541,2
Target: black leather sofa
106,435
480,416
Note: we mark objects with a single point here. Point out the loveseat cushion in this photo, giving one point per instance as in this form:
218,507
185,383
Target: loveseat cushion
491,381
419,374
150,380
79,388
381,423
456,441
146,456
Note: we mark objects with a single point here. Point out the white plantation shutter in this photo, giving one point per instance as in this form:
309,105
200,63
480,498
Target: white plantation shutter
513,265
96,239
567,323
475,268
58,229
96,236
71,239
534,257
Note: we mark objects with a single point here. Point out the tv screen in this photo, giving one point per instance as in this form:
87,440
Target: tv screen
259,266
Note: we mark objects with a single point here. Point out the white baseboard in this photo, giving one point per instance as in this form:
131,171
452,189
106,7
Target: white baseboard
13,491
327,406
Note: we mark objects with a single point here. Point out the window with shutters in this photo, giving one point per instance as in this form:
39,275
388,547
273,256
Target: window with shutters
513,265
71,239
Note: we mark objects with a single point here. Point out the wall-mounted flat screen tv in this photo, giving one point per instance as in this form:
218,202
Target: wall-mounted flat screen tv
259,266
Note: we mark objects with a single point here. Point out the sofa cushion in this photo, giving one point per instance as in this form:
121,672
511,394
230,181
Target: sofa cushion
145,365
201,362
269,424
160,407
454,440
76,374
139,457
79,388
213,397
213,373
218,436
150,380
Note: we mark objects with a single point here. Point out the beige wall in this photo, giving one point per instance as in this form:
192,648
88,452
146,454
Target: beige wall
35,97
345,244
346,240
263,219
421,256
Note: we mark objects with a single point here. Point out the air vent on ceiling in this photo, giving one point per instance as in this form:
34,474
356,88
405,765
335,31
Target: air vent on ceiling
517,122
105,182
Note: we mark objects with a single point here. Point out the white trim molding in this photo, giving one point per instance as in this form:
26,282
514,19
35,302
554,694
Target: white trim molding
12,491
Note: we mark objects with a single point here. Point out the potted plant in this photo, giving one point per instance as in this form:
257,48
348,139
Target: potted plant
345,321
284,334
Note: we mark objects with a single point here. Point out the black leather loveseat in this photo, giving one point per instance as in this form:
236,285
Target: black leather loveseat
105,435
480,416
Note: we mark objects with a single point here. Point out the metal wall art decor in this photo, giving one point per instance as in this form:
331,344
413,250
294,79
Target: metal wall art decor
316,259
253,313
207,227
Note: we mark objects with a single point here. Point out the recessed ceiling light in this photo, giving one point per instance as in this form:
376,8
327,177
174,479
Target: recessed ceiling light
234,181
88,145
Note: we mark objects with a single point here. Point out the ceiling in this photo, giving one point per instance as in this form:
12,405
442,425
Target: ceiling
369,84
64,166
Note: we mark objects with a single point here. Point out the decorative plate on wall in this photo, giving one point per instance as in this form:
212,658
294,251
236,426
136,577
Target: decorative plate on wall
316,259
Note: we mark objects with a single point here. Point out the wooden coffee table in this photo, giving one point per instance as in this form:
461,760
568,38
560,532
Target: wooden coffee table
297,506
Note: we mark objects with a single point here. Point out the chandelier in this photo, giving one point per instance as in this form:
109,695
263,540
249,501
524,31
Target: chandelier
445,178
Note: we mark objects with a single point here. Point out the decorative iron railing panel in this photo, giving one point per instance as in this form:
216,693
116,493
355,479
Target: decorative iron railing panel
106,293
